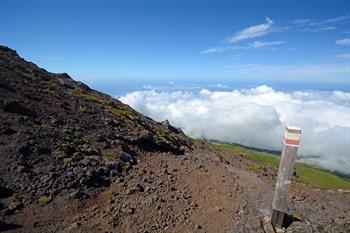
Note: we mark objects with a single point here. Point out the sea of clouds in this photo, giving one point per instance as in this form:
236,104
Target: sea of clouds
257,117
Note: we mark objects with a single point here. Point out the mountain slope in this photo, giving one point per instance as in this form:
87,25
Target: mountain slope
58,134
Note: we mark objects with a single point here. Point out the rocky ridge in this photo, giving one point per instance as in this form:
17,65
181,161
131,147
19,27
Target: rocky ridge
59,136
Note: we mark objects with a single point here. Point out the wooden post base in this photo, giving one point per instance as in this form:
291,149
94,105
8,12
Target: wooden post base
278,218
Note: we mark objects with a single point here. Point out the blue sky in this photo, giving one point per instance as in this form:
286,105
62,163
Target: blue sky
162,41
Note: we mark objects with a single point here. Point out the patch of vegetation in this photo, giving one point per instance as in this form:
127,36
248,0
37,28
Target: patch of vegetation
82,109
91,96
68,149
118,143
319,178
122,112
62,153
163,133
110,106
28,76
44,200
67,160
254,168
51,82
110,156
77,155
297,216
264,158
58,154
84,162
199,143
159,135
308,174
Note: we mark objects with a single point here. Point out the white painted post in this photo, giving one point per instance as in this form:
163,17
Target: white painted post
285,172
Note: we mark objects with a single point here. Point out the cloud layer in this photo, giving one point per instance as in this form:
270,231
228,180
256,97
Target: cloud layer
257,117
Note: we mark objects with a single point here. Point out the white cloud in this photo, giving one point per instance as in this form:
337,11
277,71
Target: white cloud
252,32
345,41
261,44
256,117
310,25
219,49
301,21
253,45
336,19
246,34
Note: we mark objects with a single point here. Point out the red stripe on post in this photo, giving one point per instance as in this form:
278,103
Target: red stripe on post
291,142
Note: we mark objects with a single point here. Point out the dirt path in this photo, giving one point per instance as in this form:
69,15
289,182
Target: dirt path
197,192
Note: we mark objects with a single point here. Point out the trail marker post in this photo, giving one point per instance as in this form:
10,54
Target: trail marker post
285,172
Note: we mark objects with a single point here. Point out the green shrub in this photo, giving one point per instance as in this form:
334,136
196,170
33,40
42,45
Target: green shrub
110,157
44,200
91,96
122,113
67,160
58,154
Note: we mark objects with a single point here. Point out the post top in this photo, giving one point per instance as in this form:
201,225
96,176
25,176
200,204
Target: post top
293,129
292,136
